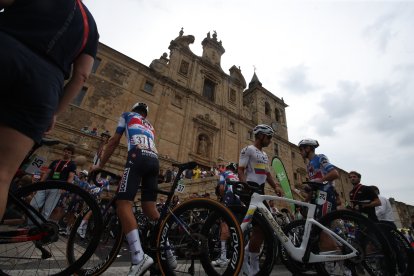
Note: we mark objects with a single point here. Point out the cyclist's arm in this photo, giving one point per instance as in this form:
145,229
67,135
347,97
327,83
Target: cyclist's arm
109,148
82,68
330,176
241,173
272,182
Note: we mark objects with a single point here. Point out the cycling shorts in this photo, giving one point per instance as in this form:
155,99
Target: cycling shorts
31,86
324,197
142,167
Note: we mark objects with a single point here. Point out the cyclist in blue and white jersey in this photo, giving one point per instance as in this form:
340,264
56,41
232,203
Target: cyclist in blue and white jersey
225,193
322,173
142,166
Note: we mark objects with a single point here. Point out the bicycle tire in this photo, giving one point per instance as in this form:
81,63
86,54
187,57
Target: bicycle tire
402,249
375,253
109,246
269,252
294,231
192,248
44,256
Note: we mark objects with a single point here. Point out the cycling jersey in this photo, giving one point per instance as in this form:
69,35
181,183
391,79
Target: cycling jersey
256,163
226,177
138,131
324,195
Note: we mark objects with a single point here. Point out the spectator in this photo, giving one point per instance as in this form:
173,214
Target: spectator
384,211
196,173
62,169
94,132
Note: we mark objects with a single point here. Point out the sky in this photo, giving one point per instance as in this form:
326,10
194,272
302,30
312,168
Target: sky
345,68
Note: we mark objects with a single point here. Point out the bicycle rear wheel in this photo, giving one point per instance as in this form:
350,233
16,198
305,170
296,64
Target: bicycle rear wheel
108,248
402,249
39,247
191,233
375,254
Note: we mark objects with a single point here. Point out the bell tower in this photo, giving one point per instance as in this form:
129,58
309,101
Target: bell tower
212,49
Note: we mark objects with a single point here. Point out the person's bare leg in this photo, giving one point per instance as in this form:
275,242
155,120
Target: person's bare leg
150,210
126,216
13,149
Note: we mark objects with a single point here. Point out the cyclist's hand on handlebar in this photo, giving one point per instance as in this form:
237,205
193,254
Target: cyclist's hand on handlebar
279,191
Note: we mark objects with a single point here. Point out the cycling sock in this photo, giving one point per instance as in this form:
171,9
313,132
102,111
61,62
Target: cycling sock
137,254
223,250
254,262
83,223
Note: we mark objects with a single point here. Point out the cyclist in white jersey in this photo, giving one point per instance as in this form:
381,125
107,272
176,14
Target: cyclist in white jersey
142,166
254,169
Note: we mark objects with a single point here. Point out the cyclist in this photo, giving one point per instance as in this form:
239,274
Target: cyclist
384,211
40,40
322,173
142,166
254,169
226,195
363,193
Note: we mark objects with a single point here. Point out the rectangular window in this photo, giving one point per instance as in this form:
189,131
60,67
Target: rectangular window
232,126
295,176
148,87
96,64
250,135
232,95
208,90
79,98
184,67
276,149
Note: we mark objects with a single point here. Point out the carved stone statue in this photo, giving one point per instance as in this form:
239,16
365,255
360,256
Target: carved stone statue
202,146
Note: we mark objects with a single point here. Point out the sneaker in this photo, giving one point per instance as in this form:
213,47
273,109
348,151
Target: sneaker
220,262
81,232
141,267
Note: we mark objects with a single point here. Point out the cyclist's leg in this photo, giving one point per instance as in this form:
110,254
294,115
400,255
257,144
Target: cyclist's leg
13,148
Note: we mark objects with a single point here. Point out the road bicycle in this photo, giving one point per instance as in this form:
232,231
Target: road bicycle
359,245
401,247
30,240
189,231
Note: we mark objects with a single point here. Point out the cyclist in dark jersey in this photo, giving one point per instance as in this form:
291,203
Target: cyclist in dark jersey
40,40
142,167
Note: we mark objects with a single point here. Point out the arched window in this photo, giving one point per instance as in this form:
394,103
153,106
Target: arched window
267,108
277,115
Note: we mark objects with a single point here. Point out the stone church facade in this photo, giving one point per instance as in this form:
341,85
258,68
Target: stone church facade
200,112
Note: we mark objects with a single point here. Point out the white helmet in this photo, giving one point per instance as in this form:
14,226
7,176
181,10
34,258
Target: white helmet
84,172
308,142
265,129
140,106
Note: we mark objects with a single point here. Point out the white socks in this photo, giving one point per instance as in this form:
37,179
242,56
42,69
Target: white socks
137,254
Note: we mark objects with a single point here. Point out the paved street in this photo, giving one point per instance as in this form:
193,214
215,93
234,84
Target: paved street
121,268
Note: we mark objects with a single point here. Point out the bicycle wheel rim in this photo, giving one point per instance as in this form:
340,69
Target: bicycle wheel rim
375,254
108,248
47,256
193,250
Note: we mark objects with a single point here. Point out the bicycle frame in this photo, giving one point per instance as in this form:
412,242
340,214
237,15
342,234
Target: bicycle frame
297,253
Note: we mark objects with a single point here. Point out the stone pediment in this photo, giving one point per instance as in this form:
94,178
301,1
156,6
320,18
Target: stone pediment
205,120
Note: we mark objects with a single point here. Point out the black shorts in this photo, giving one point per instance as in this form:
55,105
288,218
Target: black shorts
30,88
142,167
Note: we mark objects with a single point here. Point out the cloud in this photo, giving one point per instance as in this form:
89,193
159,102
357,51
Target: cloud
295,79
381,31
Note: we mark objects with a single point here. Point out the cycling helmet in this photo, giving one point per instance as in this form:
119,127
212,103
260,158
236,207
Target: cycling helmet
140,107
231,166
308,142
265,129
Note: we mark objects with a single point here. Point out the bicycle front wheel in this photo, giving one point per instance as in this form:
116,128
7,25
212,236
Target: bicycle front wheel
375,256
38,245
108,248
195,235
